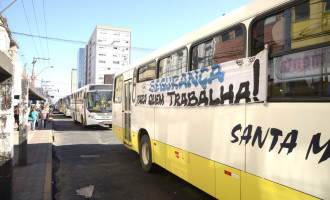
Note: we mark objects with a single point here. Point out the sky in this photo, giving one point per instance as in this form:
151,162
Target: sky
153,25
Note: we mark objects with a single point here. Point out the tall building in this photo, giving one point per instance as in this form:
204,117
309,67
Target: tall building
81,68
109,49
73,80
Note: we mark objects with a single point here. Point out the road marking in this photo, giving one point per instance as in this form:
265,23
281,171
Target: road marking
90,156
48,176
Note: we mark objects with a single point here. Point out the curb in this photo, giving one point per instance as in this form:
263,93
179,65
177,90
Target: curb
47,194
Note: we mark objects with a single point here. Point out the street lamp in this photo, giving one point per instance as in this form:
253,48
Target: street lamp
34,77
44,69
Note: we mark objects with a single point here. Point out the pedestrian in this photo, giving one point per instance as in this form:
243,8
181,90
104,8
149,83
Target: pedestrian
34,117
47,110
16,115
43,117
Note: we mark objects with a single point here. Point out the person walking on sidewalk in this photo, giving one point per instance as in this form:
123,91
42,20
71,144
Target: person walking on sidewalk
34,116
16,115
43,117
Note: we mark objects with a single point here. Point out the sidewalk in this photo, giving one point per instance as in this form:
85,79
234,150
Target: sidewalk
33,181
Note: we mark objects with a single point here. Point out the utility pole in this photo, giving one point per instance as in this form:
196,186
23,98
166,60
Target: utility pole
33,74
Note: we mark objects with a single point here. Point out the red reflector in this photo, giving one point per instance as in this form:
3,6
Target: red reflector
176,152
155,144
228,173
177,156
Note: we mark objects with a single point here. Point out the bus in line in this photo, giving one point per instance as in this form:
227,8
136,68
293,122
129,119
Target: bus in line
92,105
63,106
239,107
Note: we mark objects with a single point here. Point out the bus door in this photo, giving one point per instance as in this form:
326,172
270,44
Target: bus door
127,111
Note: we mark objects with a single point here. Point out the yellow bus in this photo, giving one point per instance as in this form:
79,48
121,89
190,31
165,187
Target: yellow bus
239,107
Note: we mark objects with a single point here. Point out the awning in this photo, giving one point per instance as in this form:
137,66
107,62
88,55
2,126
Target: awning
6,67
34,94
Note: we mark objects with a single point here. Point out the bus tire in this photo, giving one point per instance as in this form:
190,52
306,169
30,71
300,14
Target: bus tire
83,123
75,119
145,154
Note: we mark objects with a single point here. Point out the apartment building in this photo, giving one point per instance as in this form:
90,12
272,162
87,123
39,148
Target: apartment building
108,50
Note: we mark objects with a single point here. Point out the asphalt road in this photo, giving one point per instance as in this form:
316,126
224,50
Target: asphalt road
94,156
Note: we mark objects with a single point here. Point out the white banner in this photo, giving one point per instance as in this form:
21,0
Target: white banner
233,82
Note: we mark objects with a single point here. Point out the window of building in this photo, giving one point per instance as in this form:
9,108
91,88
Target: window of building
115,62
224,47
147,72
174,64
102,54
327,6
125,34
302,75
116,48
102,31
302,11
115,55
118,89
102,40
101,47
102,61
116,33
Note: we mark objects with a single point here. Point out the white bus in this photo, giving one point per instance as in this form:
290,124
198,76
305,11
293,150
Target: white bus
239,107
92,105
63,106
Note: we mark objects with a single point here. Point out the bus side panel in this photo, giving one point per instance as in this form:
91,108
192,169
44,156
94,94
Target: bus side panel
196,170
228,182
204,131
158,153
143,118
117,121
256,188
295,152
119,132
135,142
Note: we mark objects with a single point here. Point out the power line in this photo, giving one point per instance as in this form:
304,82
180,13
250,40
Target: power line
81,42
43,4
29,28
35,17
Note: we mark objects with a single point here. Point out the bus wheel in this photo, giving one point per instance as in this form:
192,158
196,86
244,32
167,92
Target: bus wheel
75,119
145,154
83,123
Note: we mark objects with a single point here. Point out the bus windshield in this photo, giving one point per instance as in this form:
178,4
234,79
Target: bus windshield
99,101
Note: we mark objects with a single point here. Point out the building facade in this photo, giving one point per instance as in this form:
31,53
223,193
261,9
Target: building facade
81,68
73,80
108,50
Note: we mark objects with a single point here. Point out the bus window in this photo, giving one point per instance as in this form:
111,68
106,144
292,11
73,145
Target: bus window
147,72
224,47
175,64
118,89
304,73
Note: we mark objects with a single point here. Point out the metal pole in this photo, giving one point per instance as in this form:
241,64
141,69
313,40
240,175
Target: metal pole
7,7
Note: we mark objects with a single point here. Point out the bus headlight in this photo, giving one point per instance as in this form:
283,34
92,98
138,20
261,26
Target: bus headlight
92,116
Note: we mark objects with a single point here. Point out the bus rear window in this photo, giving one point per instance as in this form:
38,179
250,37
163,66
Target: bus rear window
304,74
